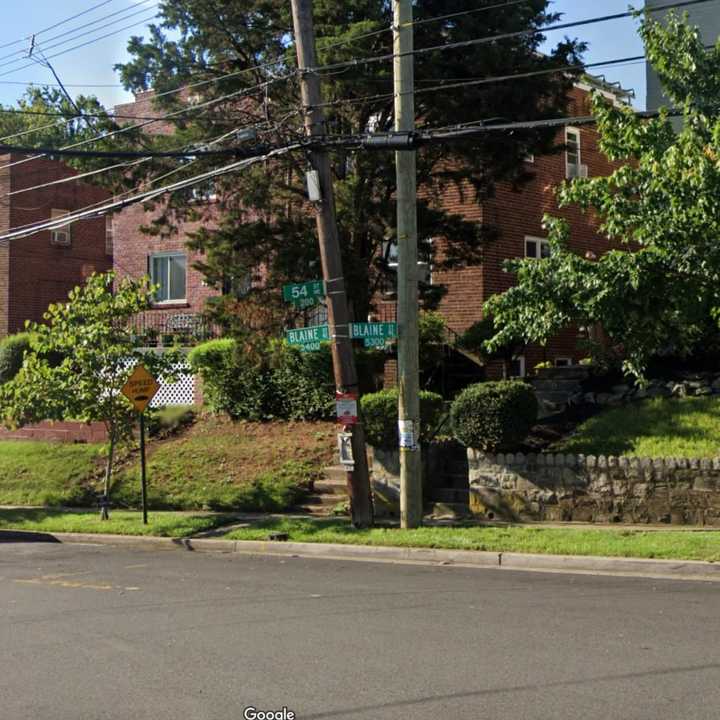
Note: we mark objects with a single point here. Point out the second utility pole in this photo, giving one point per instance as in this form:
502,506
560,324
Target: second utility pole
411,492
338,315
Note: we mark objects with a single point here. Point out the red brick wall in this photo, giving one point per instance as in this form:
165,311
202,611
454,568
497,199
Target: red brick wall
38,273
517,214
132,248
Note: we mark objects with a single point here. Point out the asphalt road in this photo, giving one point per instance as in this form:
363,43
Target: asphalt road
95,632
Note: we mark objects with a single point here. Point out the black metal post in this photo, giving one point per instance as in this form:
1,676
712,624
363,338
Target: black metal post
142,468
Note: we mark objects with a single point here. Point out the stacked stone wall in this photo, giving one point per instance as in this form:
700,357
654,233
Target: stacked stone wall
545,487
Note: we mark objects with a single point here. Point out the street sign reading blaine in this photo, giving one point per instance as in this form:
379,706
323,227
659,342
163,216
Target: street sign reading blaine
309,338
373,334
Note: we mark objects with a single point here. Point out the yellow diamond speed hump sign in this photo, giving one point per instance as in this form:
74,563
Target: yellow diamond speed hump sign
140,388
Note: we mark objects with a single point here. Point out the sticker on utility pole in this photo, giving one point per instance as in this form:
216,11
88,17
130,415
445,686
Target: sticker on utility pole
347,408
406,429
347,459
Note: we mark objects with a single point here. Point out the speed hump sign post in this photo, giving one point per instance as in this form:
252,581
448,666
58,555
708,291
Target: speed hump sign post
140,388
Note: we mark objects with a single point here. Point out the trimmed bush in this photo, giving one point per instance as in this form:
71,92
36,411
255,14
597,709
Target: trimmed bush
494,416
12,351
266,381
380,416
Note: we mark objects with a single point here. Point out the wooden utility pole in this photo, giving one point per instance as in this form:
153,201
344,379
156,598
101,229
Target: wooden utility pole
346,381
411,495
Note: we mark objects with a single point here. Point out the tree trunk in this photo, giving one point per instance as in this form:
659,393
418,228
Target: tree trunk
104,514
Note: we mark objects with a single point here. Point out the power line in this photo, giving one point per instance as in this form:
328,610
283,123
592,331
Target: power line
501,36
136,126
145,8
58,24
82,45
101,116
92,173
147,157
148,195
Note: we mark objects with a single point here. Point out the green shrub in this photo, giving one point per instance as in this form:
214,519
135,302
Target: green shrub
266,381
12,351
380,416
494,416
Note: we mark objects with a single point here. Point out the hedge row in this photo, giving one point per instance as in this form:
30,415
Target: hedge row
491,416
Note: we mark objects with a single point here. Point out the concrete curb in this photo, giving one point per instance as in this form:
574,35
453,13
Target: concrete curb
637,567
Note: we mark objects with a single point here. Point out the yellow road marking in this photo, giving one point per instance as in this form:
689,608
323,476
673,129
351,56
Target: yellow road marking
64,583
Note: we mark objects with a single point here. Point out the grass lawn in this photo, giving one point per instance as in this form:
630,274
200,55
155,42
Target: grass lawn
674,427
614,542
46,473
163,524
221,465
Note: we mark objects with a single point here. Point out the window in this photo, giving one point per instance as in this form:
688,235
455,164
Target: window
109,234
537,248
237,287
563,362
517,367
62,235
573,157
167,270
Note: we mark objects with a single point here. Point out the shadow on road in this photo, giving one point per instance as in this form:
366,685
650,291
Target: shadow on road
619,677
18,536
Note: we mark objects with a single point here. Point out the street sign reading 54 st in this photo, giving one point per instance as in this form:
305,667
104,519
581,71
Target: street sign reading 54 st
304,294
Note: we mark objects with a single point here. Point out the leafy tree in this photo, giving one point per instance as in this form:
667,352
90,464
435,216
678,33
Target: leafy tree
45,117
659,290
91,341
261,218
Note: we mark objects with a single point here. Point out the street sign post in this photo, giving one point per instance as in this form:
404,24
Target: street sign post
305,294
140,388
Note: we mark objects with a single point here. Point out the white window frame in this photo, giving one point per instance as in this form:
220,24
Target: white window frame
563,362
61,236
523,367
167,254
574,169
540,243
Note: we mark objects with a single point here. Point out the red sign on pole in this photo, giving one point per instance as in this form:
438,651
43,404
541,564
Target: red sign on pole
347,408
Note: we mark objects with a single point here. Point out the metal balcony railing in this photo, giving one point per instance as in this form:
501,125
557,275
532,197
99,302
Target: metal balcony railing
157,328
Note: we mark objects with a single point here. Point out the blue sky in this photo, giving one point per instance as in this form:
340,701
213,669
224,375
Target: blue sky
92,65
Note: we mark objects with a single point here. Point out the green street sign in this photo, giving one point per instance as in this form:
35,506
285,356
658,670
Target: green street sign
304,295
373,334
308,338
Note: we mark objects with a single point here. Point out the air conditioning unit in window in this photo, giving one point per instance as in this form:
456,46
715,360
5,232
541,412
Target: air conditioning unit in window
577,171
60,238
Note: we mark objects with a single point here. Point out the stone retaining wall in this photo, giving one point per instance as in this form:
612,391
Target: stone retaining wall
594,489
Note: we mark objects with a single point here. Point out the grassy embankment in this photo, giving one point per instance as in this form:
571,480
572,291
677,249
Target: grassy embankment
212,465
602,542
674,427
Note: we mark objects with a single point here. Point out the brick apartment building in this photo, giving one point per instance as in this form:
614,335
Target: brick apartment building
517,214
42,269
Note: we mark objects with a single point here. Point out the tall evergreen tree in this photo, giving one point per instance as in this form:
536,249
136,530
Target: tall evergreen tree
261,218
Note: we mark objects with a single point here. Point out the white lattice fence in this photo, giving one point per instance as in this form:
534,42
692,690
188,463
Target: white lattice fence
181,392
